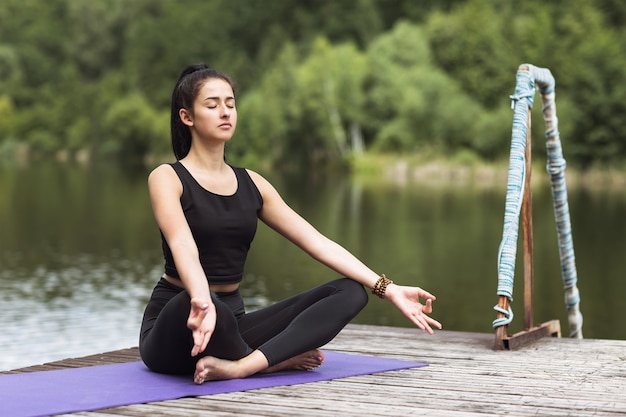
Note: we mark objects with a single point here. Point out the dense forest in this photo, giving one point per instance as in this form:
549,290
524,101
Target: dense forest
319,81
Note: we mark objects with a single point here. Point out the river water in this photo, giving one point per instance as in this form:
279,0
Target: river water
80,253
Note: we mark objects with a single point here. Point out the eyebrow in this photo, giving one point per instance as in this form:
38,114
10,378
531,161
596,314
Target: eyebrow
217,98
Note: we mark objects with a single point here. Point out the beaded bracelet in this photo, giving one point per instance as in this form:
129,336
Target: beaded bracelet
381,286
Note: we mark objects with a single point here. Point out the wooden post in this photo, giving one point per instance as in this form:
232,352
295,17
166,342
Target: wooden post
501,331
527,225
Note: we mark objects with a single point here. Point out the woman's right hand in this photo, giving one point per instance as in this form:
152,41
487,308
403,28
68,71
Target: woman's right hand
201,322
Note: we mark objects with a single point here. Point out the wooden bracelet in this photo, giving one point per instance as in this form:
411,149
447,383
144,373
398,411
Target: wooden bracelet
381,286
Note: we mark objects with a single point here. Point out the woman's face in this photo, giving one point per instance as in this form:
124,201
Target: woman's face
214,114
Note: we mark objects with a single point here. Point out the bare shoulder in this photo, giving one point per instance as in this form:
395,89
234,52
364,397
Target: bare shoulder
262,184
269,194
163,176
161,170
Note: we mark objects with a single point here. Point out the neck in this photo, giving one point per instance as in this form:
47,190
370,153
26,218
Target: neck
207,157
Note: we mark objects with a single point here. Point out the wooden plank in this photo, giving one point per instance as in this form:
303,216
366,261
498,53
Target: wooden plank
551,328
464,377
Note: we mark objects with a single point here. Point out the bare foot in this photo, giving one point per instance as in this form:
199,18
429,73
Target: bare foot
306,361
210,368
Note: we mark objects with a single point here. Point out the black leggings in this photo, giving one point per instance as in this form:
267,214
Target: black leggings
280,331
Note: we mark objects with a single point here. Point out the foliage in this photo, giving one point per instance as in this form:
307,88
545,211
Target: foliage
304,107
131,125
319,81
419,103
471,46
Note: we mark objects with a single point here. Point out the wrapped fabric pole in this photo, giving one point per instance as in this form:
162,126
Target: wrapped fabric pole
522,101
556,168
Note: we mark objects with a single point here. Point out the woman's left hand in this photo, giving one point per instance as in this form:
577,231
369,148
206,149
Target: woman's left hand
407,300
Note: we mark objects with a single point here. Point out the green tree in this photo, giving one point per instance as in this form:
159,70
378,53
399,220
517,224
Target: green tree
319,79
592,62
310,110
131,127
11,74
98,31
411,103
330,90
267,112
470,45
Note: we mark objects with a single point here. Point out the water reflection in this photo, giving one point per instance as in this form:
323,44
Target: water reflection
80,307
80,253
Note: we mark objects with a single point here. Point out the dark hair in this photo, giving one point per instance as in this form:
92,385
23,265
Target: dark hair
185,92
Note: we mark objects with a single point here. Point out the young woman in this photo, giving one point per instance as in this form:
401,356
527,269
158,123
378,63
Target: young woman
207,212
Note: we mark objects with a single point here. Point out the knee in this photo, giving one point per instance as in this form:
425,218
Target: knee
356,295
155,360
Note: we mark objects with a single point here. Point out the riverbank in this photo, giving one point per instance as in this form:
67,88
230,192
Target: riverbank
427,168
466,171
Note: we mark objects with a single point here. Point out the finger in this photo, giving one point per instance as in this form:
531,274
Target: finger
419,321
193,323
200,346
419,324
196,317
433,322
205,341
424,326
427,323
197,343
426,294
195,351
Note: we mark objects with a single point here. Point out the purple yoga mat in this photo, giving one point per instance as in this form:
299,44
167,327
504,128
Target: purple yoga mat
96,387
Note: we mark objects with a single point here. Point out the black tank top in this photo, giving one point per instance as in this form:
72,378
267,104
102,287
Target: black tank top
222,226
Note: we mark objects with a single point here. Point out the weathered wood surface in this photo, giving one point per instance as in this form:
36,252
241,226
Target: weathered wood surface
465,377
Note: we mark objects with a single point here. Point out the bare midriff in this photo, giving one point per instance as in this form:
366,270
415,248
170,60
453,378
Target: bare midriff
213,287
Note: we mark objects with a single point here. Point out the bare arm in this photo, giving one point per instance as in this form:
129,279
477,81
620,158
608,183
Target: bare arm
165,191
280,217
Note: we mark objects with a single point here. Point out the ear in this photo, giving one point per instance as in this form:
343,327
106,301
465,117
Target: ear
185,117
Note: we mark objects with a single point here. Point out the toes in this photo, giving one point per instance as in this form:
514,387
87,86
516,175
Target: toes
201,372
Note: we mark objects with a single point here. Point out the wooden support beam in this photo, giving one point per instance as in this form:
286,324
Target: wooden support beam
503,303
527,226
550,328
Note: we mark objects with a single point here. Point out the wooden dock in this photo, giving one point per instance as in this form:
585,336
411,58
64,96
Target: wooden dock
465,377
